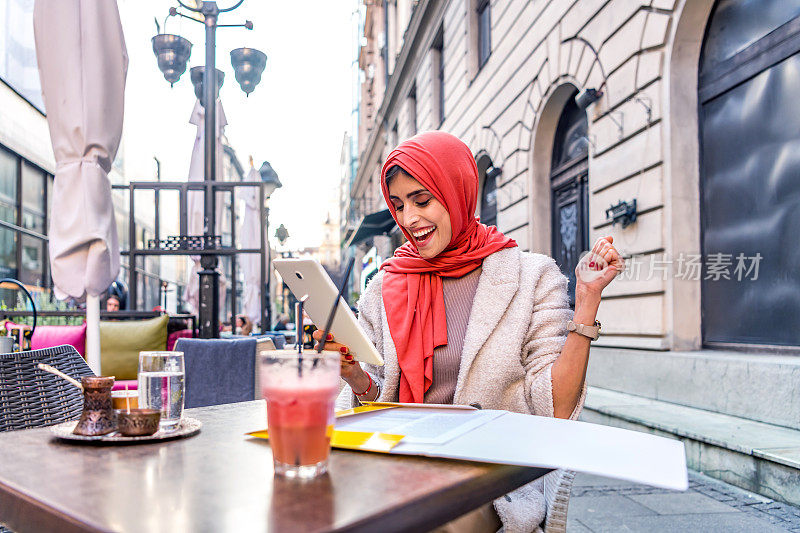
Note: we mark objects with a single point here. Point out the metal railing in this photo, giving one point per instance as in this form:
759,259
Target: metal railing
185,244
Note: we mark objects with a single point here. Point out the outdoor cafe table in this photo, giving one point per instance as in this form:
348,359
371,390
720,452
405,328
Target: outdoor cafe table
222,480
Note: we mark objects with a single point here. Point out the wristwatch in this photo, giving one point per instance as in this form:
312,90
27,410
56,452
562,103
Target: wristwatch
592,332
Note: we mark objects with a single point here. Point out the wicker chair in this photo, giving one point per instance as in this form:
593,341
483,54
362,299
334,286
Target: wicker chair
30,397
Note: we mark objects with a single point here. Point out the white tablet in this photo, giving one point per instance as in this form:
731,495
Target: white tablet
306,276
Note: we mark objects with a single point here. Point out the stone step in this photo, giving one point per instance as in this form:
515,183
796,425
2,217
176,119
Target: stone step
758,387
756,456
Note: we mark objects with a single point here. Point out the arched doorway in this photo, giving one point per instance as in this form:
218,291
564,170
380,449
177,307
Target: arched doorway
749,78
569,203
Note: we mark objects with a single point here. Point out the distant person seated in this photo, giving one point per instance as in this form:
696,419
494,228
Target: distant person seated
176,324
243,325
112,303
283,322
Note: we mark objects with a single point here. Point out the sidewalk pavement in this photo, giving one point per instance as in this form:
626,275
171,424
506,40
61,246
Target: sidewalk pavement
601,504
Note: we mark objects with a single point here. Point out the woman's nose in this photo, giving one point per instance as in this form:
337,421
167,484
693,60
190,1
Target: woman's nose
411,215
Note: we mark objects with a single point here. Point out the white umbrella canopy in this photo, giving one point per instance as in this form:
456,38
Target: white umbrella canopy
83,63
249,235
194,202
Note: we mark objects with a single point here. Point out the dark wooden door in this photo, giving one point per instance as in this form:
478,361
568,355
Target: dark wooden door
569,203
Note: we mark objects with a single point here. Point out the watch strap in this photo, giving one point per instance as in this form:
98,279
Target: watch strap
591,332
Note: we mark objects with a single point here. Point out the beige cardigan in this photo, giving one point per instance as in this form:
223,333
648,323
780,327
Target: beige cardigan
516,329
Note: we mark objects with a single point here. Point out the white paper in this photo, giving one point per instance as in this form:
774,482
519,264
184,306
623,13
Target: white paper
419,425
527,440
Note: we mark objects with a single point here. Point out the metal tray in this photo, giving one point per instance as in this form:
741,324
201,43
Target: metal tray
187,428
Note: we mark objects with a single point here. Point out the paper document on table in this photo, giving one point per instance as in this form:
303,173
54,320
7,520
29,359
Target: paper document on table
419,425
527,440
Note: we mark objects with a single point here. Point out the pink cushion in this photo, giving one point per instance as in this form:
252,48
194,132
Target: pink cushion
175,335
120,384
49,336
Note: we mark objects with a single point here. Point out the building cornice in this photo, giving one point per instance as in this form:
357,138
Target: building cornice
427,14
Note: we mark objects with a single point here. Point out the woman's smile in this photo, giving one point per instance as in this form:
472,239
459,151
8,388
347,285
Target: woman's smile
422,236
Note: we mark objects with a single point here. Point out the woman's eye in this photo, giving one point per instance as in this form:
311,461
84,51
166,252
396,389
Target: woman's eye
424,203
398,208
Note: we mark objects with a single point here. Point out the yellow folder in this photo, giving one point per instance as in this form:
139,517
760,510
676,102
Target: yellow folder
356,440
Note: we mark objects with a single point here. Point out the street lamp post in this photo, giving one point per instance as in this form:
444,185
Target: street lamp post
271,182
173,52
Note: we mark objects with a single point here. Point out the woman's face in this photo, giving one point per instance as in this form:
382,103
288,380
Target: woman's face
420,214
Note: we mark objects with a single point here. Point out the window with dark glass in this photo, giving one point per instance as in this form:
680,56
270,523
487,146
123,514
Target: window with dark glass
8,253
32,250
412,109
749,187
484,31
8,186
438,57
8,213
23,206
489,197
33,198
385,47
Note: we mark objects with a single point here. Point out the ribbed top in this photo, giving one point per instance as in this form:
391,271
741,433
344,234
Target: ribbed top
459,294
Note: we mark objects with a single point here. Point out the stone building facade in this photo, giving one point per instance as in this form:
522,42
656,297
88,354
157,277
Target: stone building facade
574,109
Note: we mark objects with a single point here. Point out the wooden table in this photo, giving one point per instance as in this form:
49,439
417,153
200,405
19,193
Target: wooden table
222,480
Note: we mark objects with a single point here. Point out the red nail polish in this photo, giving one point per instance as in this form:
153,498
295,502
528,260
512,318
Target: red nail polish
329,337
348,357
591,264
344,349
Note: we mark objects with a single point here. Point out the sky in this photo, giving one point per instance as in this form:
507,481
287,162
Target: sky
296,117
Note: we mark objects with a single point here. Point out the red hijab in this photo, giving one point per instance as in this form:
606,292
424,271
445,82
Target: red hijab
412,286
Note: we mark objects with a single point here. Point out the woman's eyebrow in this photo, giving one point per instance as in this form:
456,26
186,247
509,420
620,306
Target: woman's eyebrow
409,195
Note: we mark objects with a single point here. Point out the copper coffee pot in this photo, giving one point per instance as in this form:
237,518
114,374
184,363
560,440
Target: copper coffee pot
98,417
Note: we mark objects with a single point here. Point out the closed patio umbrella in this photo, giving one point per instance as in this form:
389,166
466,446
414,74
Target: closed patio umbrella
83,63
250,264
194,203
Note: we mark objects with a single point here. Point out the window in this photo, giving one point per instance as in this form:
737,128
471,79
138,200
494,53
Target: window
489,196
749,191
32,260
33,198
8,187
412,111
18,66
438,74
383,43
8,253
24,191
31,270
484,12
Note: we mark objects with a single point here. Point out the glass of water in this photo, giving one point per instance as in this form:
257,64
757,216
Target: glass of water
161,385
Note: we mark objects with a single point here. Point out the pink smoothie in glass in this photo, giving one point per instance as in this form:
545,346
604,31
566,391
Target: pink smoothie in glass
300,420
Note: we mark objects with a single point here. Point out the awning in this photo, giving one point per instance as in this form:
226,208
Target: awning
376,223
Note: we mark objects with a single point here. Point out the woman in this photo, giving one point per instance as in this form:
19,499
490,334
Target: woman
462,316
